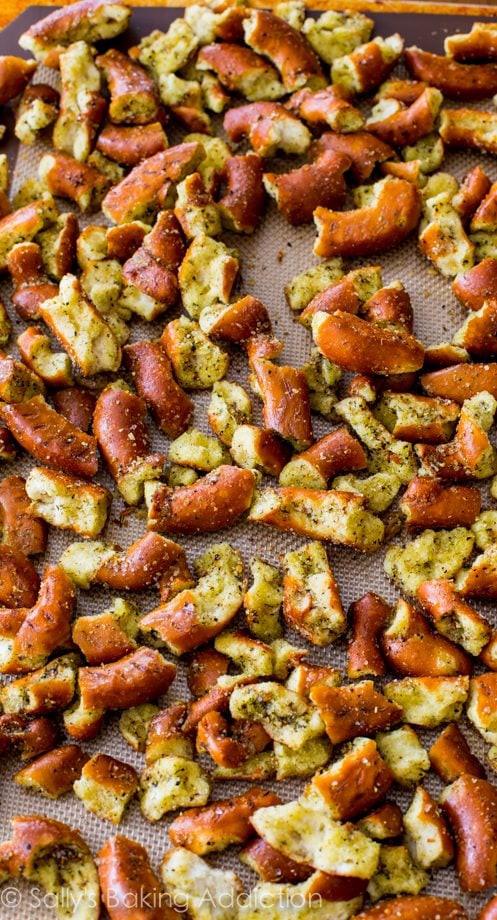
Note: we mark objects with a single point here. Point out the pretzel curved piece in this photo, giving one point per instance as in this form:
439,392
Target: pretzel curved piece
300,192
127,878
170,406
133,96
15,74
288,49
363,149
363,347
391,210
470,806
415,907
468,82
214,502
269,127
50,438
19,578
20,529
88,20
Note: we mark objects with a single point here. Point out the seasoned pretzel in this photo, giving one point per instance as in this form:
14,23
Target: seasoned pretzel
67,178
411,649
15,74
128,145
468,82
43,690
151,369
133,96
288,49
356,782
317,184
428,503
365,347
451,756
469,804
24,224
215,827
415,907
35,348
477,286
76,405
474,187
370,614
459,382
127,879
268,126
480,44
355,710
20,529
53,774
19,578
88,20
469,129
241,70
209,505
106,786
332,454
50,438
31,286
284,391
363,149
388,212
242,202
38,108
409,125
138,678
368,65
329,106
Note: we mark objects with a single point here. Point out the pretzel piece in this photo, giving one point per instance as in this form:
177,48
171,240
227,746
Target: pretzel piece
38,108
53,774
207,274
133,96
467,82
20,582
315,612
287,48
137,678
88,20
24,224
469,129
388,211
354,710
241,70
316,184
405,755
269,127
197,614
355,782
20,530
469,804
215,827
428,504
411,649
408,125
368,65
43,690
54,368
211,504
429,701
50,438
329,106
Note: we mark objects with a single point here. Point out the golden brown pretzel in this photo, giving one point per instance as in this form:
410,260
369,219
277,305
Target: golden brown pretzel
470,804
468,82
288,49
317,184
130,888
133,96
365,348
451,756
20,529
370,614
170,406
87,20
128,145
242,204
212,503
15,74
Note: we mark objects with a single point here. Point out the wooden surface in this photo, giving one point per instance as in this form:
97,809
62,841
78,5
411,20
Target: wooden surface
9,9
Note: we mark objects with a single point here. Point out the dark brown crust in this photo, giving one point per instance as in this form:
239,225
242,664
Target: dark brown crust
147,559
242,320
77,405
474,187
320,183
408,125
428,503
369,615
165,242
55,772
272,865
15,74
468,82
50,438
284,391
451,757
366,348
19,581
204,668
363,149
371,229
489,912
29,737
242,203
219,825
170,406
214,502
123,241
128,145
288,49
389,307
126,878
417,907
470,804
20,530
34,836
348,712
137,678
335,453
231,62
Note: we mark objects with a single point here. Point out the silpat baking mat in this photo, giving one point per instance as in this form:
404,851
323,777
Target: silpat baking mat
269,259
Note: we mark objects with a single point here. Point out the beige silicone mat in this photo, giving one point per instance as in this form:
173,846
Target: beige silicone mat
269,260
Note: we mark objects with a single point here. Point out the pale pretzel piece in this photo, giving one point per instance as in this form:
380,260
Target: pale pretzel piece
82,106
340,517
468,82
88,20
18,384
469,804
197,614
368,65
24,224
209,505
428,701
348,294
196,360
311,598
427,503
207,274
50,438
396,874
269,127
57,858
288,49
38,108
142,193
127,879
329,106
133,96
188,877
81,329
54,368
170,783
106,786
356,782
336,33
388,211
53,774
317,184
404,754
417,418
469,455
259,449
411,649
241,70
215,827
